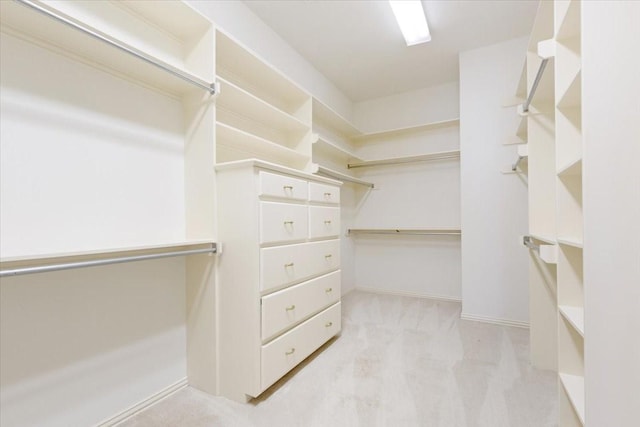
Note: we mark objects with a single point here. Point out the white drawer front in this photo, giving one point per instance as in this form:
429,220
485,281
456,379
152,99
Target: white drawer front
324,193
281,222
324,222
283,265
285,352
282,186
283,309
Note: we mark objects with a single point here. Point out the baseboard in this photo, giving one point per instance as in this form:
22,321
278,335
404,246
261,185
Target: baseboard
495,321
406,294
151,400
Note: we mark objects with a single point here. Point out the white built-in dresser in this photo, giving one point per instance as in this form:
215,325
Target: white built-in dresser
279,272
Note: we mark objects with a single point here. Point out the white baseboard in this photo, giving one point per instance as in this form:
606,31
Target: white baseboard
495,321
151,400
406,294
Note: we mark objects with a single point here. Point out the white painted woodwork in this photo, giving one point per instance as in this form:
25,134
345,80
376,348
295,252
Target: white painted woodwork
322,193
324,222
283,187
257,284
284,265
288,350
285,308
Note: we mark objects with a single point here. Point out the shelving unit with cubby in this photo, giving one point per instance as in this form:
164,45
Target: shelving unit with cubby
260,113
568,118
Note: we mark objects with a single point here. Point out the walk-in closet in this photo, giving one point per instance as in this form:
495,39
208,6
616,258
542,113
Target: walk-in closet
300,213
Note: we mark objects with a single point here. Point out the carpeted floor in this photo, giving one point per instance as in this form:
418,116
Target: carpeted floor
399,361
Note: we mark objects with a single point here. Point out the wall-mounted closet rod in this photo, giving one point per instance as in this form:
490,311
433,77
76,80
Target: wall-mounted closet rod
527,103
394,231
514,166
98,262
410,159
210,87
528,242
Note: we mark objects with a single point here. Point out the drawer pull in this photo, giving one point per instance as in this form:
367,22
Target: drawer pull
288,223
291,307
328,256
327,221
327,194
288,187
291,351
328,325
288,265
328,290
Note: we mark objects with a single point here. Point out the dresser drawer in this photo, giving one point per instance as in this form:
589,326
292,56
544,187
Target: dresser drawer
324,222
281,222
324,193
286,351
283,265
281,186
283,309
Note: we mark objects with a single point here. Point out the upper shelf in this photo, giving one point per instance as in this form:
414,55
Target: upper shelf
325,116
149,48
409,129
336,150
342,177
443,155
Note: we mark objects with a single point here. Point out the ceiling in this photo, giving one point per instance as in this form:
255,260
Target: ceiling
358,46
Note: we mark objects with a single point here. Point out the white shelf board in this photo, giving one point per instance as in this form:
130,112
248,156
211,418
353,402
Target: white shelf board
327,116
409,129
259,163
26,23
256,146
342,176
442,155
241,102
570,242
514,140
574,315
567,19
571,98
574,387
573,168
235,62
27,259
341,152
546,239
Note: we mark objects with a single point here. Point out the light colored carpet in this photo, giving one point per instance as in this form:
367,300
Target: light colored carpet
399,361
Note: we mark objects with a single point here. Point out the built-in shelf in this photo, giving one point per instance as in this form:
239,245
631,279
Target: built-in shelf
55,25
545,239
442,155
409,129
325,143
328,117
571,96
573,168
567,19
238,140
570,242
408,231
241,102
342,177
574,315
574,387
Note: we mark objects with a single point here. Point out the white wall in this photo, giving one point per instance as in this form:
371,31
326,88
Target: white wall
427,105
494,205
237,20
415,195
611,196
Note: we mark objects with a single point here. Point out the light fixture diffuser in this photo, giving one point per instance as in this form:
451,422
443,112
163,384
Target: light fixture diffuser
412,21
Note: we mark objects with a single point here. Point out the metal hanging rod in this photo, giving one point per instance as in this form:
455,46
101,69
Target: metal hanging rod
394,231
514,166
399,160
528,242
534,87
196,81
342,177
107,261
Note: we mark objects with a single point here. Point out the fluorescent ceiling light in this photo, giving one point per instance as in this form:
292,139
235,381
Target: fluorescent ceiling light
413,23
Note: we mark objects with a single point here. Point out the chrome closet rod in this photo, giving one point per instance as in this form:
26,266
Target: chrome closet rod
534,87
210,87
107,261
528,242
393,231
514,166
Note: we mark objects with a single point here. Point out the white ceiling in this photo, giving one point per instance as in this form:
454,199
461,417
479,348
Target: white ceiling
358,46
